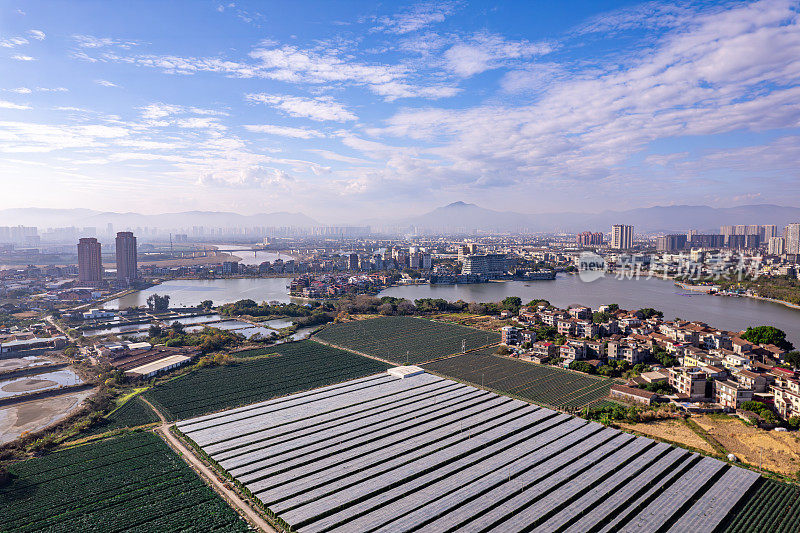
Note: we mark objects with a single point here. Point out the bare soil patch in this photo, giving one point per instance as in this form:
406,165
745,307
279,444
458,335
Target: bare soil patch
37,414
672,430
777,451
28,385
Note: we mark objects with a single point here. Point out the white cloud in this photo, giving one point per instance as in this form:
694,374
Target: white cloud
726,71
416,17
11,105
320,108
39,35
52,89
106,83
20,57
485,51
20,90
395,89
90,41
284,131
12,42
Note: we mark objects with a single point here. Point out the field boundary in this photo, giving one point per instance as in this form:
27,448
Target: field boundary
208,475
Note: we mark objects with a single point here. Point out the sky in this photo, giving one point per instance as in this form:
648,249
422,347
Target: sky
348,111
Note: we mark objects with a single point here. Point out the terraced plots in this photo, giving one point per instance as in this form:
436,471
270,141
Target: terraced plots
292,367
130,483
430,454
404,339
541,384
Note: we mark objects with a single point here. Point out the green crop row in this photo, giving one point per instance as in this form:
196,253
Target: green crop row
125,483
404,339
298,366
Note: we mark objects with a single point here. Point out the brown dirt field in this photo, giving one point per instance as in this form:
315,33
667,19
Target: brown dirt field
37,414
781,450
28,385
483,322
16,363
673,430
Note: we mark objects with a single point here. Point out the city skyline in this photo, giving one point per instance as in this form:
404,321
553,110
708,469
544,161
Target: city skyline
518,106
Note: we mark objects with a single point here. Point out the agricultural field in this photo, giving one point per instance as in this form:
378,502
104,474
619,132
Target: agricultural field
284,369
426,453
127,483
131,414
404,340
773,508
541,384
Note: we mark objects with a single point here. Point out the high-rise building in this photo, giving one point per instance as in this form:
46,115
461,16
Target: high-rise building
489,265
90,264
792,236
671,243
727,231
588,238
352,261
127,267
768,231
776,246
621,237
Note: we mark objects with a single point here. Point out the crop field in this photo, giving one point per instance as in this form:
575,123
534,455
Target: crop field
429,454
541,384
773,508
131,414
289,368
405,340
128,483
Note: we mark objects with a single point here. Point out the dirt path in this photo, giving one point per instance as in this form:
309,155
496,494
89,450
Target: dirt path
231,496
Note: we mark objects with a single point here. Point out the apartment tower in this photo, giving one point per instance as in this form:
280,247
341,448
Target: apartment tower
127,268
90,264
621,237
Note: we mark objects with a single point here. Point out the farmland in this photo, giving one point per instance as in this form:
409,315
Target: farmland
284,369
131,414
133,482
773,508
541,384
404,339
430,454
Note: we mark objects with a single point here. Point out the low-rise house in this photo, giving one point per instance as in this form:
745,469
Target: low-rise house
786,391
751,380
741,346
509,335
580,312
689,381
730,394
623,392
543,349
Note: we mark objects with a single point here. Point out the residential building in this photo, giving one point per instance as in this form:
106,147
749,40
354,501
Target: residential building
588,238
730,394
488,265
776,246
509,335
543,349
90,264
127,268
623,392
751,380
621,237
671,243
688,381
792,238
787,396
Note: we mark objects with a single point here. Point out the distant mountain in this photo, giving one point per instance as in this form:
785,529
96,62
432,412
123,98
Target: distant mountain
462,217
44,218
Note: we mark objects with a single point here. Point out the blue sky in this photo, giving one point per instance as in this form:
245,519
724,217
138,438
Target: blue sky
354,110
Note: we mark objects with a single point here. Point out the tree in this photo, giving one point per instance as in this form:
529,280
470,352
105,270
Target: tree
512,303
794,422
158,303
793,358
582,366
207,304
502,350
767,335
154,330
475,308
177,327
649,312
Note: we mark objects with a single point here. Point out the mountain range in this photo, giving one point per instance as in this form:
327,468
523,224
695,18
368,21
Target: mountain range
457,217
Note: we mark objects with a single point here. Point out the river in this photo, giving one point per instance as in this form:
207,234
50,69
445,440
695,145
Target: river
718,311
723,312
